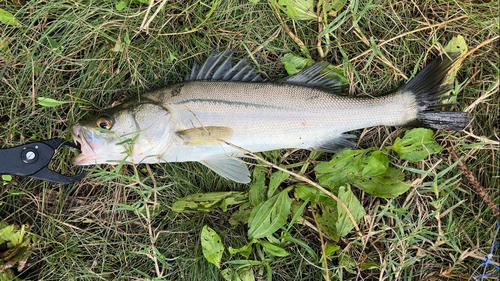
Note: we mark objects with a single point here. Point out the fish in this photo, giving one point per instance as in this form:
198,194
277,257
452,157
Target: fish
220,108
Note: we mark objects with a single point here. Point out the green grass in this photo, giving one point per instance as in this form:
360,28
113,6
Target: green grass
83,230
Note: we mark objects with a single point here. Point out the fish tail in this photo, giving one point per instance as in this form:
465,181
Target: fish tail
427,88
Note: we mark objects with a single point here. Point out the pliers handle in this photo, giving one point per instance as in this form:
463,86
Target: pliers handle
31,160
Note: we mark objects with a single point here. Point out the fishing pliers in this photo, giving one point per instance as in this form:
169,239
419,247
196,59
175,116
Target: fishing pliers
31,160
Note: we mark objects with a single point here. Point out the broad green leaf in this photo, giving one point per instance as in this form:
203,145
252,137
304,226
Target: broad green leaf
297,212
299,9
180,205
337,75
244,251
121,5
328,220
330,249
345,162
455,45
242,215
48,102
312,194
389,184
344,224
369,265
6,177
210,200
254,1
378,162
247,274
258,188
276,179
347,262
8,18
416,145
211,245
332,7
126,38
171,57
274,250
294,64
54,46
228,274
269,216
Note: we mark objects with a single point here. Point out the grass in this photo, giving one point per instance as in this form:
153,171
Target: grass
79,51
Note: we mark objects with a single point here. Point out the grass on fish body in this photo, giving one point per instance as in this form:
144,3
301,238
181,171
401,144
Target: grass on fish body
118,223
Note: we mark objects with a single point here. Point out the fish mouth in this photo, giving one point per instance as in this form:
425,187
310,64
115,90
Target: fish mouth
87,155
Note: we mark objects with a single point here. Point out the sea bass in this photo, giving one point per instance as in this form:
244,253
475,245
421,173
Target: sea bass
219,104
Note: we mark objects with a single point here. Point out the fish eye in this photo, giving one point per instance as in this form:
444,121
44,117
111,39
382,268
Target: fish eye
104,122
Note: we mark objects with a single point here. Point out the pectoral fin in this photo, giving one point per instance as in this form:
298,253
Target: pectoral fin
208,135
228,167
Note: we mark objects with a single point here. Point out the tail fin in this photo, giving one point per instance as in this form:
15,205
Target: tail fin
427,89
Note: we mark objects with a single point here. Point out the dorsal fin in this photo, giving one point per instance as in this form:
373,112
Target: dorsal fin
312,77
218,67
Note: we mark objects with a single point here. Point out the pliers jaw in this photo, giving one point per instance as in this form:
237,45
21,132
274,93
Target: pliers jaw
31,160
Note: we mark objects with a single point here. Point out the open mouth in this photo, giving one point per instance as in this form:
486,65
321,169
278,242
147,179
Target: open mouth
87,154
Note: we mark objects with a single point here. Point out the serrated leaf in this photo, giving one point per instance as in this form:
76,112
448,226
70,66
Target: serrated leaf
211,245
48,102
416,145
269,216
378,162
299,9
276,179
344,224
388,184
274,250
8,18
294,64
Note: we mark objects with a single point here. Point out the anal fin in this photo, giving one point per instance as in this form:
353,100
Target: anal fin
335,144
228,167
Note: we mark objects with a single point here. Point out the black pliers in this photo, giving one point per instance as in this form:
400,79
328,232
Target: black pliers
31,160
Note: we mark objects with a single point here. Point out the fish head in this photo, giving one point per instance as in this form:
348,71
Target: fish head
131,131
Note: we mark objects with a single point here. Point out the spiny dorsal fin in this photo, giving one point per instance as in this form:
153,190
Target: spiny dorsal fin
218,67
312,77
